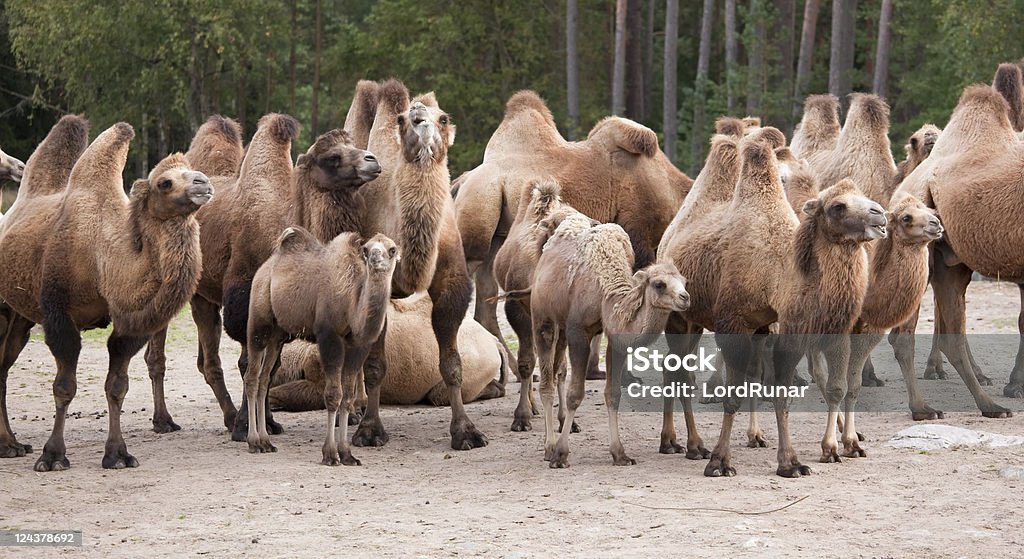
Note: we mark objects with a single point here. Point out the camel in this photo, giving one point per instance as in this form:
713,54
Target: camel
11,168
964,180
335,295
299,384
84,255
239,231
411,203
616,175
584,285
514,267
825,283
815,136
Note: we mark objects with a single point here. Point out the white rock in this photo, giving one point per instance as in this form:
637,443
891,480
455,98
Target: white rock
930,436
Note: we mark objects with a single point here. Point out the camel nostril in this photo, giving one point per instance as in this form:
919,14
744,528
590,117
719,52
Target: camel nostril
369,157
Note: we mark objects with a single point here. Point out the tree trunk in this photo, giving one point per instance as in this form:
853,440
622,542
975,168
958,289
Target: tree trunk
755,56
619,69
700,86
315,102
293,60
840,68
649,60
881,82
242,95
572,73
785,11
671,82
634,60
803,67
730,55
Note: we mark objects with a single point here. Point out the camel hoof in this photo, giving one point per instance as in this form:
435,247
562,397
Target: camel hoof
331,460
623,461
52,463
997,412
828,456
870,379
853,450
261,447
936,373
370,433
119,461
229,419
710,400
165,425
697,452
559,463
757,441
795,470
467,438
354,418
520,425
925,414
349,460
983,380
14,450
800,381
575,428
670,446
719,467
273,427
596,374
1014,390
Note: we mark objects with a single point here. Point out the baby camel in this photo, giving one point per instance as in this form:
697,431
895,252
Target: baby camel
335,295
584,286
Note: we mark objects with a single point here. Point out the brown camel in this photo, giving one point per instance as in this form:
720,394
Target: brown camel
335,295
239,231
584,285
411,203
85,255
616,175
824,288
964,179
299,384
711,254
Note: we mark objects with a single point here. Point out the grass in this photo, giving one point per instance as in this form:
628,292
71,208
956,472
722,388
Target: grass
179,330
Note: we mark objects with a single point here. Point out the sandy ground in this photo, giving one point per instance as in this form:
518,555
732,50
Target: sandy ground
197,493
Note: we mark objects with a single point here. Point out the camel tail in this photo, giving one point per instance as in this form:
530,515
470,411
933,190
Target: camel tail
296,238
515,294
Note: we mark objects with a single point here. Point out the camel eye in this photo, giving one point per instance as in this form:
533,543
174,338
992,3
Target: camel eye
913,142
659,285
906,218
392,251
444,119
164,184
840,207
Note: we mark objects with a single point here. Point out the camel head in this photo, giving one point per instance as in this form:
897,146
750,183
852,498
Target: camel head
921,143
911,221
425,131
172,189
11,168
336,162
665,287
381,254
844,214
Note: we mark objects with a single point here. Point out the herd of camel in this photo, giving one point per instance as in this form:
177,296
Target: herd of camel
364,242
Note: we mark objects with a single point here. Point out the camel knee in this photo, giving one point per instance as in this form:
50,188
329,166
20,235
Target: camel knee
64,389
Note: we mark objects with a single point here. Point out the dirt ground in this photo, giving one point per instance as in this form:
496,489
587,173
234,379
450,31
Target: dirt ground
198,493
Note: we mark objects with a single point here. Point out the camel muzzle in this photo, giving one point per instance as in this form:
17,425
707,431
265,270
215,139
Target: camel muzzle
369,168
15,168
200,191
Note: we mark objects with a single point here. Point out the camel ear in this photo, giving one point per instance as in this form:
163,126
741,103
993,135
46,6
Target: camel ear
302,160
641,276
402,122
451,134
812,206
138,186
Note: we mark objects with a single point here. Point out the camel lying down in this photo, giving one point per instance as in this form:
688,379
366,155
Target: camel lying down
411,352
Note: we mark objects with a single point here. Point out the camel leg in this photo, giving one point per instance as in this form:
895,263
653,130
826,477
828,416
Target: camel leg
450,291
236,317
518,313
683,339
755,436
121,349
868,376
65,343
861,345
837,356
341,375
206,315
616,362
787,353
14,340
264,354
902,341
738,351
950,285
594,371
484,310
1015,387
579,352
156,362
351,390
545,339
371,430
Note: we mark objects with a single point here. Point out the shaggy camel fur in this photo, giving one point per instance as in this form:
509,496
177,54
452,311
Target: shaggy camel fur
412,204
240,227
11,168
299,384
342,310
965,179
584,285
797,177
824,287
82,256
46,173
616,175
815,136
709,249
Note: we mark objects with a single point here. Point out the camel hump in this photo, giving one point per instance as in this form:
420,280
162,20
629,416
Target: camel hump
1009,83
49,167
296,239
283,128
980,95
103,161
227,128
871,109
525,100
826,103
393,97
771,137
729,126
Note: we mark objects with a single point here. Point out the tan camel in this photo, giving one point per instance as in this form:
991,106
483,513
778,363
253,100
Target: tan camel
616,175
240,227
584,285
85,255
815,136
964,179
411,203
11,168
342,310
299,384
